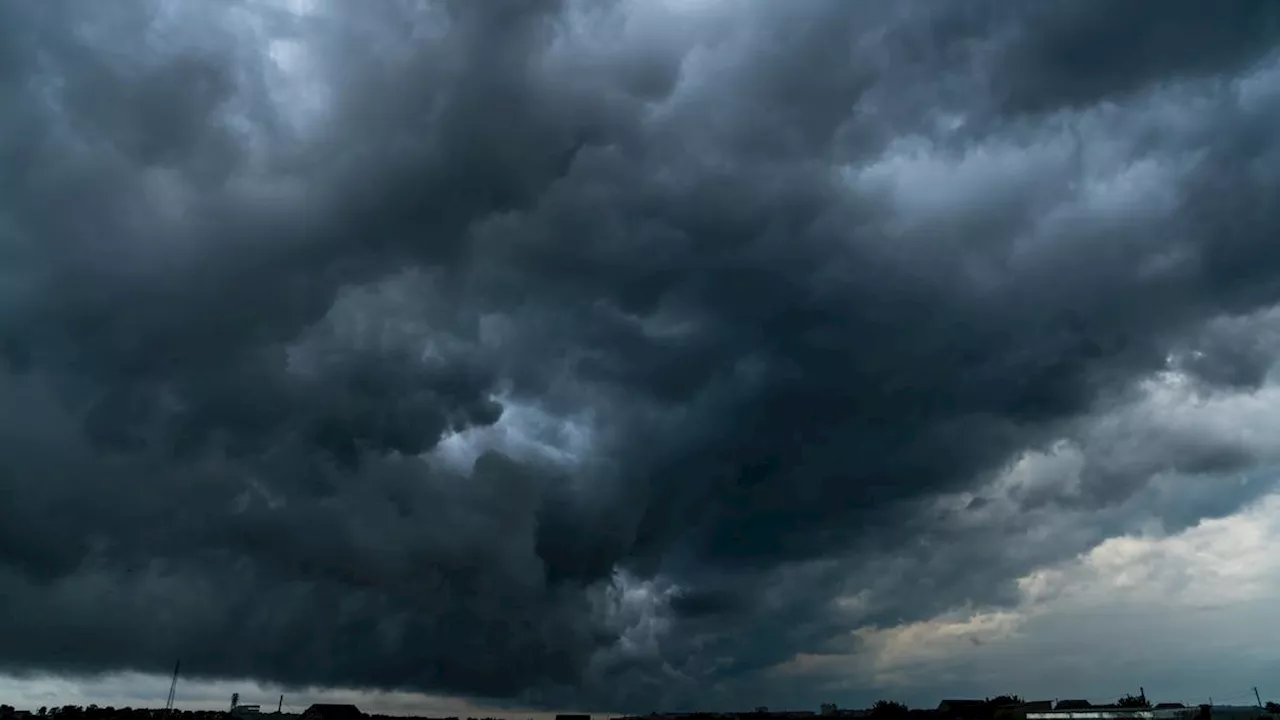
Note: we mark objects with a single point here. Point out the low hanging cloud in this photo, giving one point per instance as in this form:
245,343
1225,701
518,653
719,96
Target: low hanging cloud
1167,608
610,355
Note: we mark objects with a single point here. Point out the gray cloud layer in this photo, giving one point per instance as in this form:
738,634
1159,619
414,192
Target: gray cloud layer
783,275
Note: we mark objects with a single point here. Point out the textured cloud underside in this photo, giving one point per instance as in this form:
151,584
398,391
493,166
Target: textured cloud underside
611,354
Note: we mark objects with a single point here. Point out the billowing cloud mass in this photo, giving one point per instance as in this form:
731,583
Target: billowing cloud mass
617,355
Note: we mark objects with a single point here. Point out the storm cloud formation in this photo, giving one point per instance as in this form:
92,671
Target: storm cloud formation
604,354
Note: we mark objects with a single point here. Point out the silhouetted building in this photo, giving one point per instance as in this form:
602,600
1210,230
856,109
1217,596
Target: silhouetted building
1019,712
326,711
1237,712
1114,712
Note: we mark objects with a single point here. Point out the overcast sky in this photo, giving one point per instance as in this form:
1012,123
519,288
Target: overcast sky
634,355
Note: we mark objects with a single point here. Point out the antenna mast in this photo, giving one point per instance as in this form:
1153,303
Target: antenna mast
173,688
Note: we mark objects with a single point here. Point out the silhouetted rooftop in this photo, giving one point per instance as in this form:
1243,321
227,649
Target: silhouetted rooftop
327,711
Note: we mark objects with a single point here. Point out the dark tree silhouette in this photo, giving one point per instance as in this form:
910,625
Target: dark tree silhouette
1133,701
1005,700
889,710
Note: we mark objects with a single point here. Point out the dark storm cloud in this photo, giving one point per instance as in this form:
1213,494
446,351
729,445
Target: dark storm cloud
1082,52
796,270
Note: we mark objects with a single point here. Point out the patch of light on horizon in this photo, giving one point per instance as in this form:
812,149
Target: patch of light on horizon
1220,565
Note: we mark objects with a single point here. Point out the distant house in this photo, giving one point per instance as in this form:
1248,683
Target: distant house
1019,712
1073,705
326,711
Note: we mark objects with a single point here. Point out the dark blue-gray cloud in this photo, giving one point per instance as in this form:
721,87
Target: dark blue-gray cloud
780,276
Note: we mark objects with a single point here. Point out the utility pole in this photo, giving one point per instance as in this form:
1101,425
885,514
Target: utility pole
1257,697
